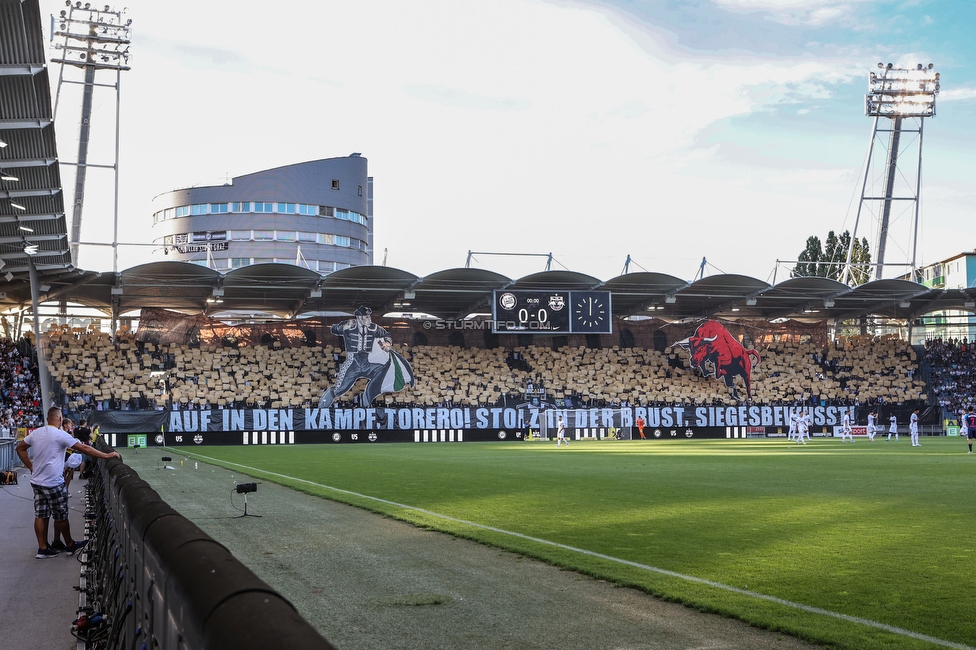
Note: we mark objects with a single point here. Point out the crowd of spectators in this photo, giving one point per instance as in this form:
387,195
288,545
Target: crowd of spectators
953,370
94,372
20,394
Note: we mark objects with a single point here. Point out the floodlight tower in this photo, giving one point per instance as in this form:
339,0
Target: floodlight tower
905,97
92,40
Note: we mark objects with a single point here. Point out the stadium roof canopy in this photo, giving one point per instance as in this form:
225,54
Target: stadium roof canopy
288,291
32,219
32,222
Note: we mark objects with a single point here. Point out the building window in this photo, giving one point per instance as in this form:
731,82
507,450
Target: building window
168,213
338,240
360,190
286,235
238,262
240,235
264,235
307,237
217,208
242,206
335,183
168,240
263,260
286,208
263,207
304,208
199,208
182,210
324,238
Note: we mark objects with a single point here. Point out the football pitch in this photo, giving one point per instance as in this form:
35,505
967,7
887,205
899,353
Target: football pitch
862,545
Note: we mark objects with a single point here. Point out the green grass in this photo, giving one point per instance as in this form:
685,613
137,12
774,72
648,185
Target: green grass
880,531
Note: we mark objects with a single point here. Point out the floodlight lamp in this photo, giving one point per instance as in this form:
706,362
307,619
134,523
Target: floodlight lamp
671,300
735,308
4,176
31,249
45,288
17,205
2,264
828,304
751,302
9,276
904,304
2,144
25,228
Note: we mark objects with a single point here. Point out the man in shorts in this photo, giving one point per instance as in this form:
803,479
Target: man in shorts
561,433
913,428
893,429
47,480
872,424
970,420
845,429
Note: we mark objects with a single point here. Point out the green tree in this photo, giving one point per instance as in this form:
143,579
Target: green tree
808,261
827,260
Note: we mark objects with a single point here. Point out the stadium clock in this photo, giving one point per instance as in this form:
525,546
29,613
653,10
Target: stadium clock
591,312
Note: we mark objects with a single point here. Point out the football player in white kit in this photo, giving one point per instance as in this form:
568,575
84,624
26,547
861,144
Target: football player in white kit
845,429
893,429
872,418
793,426
803,428
913,428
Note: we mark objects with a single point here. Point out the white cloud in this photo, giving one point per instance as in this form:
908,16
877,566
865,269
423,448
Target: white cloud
794,12
957,94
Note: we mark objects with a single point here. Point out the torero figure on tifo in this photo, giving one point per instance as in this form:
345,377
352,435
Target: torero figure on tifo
369,355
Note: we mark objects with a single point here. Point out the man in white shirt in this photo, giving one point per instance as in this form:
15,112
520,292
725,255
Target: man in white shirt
872,418
893,429
47,480
913,428
802,428
561,433
845,429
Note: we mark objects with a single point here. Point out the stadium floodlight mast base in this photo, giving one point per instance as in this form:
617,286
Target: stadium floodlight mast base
896,94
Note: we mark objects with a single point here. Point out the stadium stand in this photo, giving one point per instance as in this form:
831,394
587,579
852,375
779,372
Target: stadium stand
953,364
20,395
96,373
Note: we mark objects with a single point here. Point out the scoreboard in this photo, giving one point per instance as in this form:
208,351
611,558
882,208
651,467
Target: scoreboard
551,312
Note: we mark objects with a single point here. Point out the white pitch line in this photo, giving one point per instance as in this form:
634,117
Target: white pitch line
646,567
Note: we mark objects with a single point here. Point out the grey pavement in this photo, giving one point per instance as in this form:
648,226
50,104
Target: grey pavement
38,598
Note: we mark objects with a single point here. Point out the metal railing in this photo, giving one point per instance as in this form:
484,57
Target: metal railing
153,579
8,455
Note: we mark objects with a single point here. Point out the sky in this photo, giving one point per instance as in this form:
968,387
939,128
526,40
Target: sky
594,130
